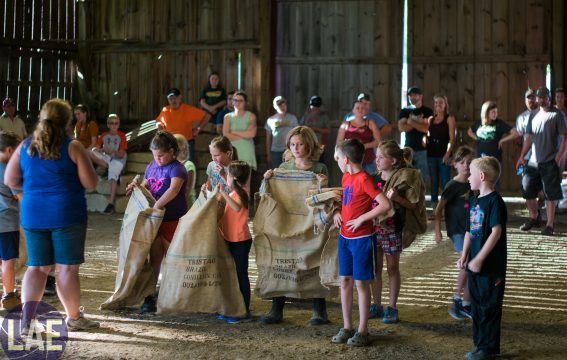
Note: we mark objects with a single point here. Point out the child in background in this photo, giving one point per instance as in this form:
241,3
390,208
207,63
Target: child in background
485,256
234,227
166,179
213,97
455,198
110,152
85,131
356,249
222,154
9,224
303,146
183,157
388,241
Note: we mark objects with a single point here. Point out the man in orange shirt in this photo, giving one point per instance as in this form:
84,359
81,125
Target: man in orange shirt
178,118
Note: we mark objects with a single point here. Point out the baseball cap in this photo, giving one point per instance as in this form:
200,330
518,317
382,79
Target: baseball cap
8,102
173,92
414,90
363,96
529,92
279,99
542,92
315,101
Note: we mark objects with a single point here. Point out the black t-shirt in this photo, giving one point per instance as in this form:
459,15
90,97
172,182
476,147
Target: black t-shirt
488,136
414,138
457,196
485,212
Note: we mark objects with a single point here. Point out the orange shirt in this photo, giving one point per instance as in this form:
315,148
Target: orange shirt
180,121
84,133
234,225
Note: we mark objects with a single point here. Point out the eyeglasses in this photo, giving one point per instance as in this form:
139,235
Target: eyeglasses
112,123
237,100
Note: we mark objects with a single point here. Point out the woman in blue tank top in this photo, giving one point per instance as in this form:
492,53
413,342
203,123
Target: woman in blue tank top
53,171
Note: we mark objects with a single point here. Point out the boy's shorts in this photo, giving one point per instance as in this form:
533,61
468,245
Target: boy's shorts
65,246
356,257
389,244
458,241
167,229
546,177
9,245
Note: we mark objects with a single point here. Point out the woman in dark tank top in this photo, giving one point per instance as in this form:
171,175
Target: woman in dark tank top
440,143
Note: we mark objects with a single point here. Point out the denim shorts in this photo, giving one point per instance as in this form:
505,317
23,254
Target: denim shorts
458,241
356,257
65,246
9,245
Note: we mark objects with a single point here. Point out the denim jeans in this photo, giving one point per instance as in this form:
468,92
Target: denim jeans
436,170
420,163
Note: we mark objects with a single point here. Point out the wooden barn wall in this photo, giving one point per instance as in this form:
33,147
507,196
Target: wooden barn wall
135,50
38,53
337,49
479,50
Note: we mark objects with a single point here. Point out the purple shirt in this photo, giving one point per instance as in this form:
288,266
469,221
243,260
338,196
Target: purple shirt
159,180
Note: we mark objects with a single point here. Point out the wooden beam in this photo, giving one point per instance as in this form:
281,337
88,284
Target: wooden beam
124,46
315,60
480,59
62,45
559,42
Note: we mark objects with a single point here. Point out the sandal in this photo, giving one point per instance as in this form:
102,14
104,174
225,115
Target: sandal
358,339
342,336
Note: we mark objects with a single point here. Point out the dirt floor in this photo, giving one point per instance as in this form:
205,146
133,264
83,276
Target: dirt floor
534,324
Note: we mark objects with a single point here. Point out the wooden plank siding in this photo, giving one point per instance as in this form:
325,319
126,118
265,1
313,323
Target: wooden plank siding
491,52
38,53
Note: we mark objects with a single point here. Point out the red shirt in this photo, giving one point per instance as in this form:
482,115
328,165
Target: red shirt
359,190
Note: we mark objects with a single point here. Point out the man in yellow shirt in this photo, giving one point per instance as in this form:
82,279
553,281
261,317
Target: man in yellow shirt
179,118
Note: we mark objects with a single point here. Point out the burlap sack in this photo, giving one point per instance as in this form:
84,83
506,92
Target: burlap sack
288,250
135,278
329,270
198,272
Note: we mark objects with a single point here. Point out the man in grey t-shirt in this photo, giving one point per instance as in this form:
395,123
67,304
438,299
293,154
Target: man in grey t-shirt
542,168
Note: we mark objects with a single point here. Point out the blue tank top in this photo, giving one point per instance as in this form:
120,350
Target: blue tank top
53,194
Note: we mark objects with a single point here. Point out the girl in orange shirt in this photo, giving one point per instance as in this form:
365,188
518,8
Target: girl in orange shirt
234,227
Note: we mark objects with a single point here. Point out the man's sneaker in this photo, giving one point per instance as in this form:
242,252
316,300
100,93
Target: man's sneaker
149,305
547,231
455,309
376,311
530,224
109,209
50,288
82,323
466,311
479,355
10,300
390,316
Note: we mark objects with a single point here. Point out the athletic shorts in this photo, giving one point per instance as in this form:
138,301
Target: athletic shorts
167,229
65,246
389,244
546,177
9,245
356,257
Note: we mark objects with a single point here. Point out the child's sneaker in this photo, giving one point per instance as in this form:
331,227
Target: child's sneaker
50,287
466,311
10,300
455,309
390,316
376,311
149,305
109,209
82,323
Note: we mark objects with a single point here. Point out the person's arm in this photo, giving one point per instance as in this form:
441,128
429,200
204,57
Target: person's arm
169,194
513,134
13,174
419,123
393,195
466,247
235,205
341,133
251,131
471,134
375,135
475,265
385,130
524,151
190,179
561,148
403,125
93,132
382,207
452,124
85,169
438,215
218,105
202,124
206,106
226,129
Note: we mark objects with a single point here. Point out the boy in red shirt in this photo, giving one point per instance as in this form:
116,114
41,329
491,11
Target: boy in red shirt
356,252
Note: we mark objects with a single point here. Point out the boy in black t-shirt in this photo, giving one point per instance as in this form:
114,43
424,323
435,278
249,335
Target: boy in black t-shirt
484,256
